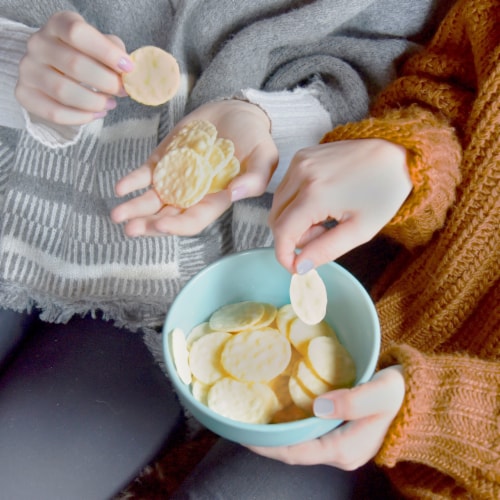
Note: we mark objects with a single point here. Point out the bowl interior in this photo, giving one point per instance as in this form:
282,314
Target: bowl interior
256,275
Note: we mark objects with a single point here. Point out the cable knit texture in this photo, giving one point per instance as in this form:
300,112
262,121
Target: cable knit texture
439,302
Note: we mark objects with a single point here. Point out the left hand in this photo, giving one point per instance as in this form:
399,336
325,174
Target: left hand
249,128
368,410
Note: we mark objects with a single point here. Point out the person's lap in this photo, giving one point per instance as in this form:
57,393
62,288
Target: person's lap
83,407
231,471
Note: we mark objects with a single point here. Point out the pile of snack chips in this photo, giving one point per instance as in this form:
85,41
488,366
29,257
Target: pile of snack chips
196,162
257,363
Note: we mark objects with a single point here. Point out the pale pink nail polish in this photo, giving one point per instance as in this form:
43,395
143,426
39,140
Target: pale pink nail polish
238,193
125,64
110,104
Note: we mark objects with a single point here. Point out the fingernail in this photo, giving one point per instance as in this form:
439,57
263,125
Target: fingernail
238,193
122,93
100,114
304,266
125,64
110,104
323,407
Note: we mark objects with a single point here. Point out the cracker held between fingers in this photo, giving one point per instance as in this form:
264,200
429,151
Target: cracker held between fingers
155,78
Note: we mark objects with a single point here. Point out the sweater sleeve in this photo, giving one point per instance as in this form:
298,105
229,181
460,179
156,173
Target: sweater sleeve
449,419
298,120
13,39
426,110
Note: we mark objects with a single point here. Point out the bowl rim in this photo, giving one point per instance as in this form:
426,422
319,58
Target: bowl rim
185,393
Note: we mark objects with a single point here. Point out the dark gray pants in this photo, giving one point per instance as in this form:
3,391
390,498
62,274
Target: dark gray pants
83,408
230,471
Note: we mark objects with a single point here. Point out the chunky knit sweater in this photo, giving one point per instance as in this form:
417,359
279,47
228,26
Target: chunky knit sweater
439,303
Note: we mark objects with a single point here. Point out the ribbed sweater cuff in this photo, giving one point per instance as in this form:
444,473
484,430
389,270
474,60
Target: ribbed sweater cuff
298,120
448,420
433,160
13,37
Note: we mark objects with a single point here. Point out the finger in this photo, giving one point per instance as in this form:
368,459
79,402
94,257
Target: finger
140,178
71,28
145,226
144,205
117,41
141,227
332,244
347,447
62,89
284,194
295,221
383,394
196,218
77,65
47,108
258,170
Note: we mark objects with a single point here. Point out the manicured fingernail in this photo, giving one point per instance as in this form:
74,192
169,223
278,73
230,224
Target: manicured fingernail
110,104
238,193
323,407
122,93
125,64
100,114
304,266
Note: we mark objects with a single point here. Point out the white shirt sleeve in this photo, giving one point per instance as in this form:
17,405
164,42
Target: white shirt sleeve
13,39
298,120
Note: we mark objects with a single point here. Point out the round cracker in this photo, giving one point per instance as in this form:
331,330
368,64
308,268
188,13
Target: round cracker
181,178
256,355
250,403
236,316
308,296
204,357
155,78
331,361
224,176
198,135
180,355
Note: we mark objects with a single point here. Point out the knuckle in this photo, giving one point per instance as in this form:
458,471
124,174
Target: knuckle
54,115
33,43
74,28
19,93
74,63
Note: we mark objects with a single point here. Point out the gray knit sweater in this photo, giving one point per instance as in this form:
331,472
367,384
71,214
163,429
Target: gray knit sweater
59,251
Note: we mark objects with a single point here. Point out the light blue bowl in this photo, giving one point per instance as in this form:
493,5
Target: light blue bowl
257,275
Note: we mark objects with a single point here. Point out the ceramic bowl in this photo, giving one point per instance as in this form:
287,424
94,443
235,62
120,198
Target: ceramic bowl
256,275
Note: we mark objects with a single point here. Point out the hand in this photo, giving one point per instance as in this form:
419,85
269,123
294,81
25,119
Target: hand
71,71
248,127
359,183
368,409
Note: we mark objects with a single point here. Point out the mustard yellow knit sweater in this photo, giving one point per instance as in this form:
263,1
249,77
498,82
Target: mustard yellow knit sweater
439,303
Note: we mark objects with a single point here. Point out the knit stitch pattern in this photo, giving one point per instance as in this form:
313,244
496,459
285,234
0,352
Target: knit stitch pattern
439,303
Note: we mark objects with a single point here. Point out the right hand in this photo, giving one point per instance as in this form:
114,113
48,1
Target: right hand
359,183
71,71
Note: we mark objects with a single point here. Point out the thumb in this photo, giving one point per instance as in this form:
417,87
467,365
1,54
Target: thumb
383,394
257,168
